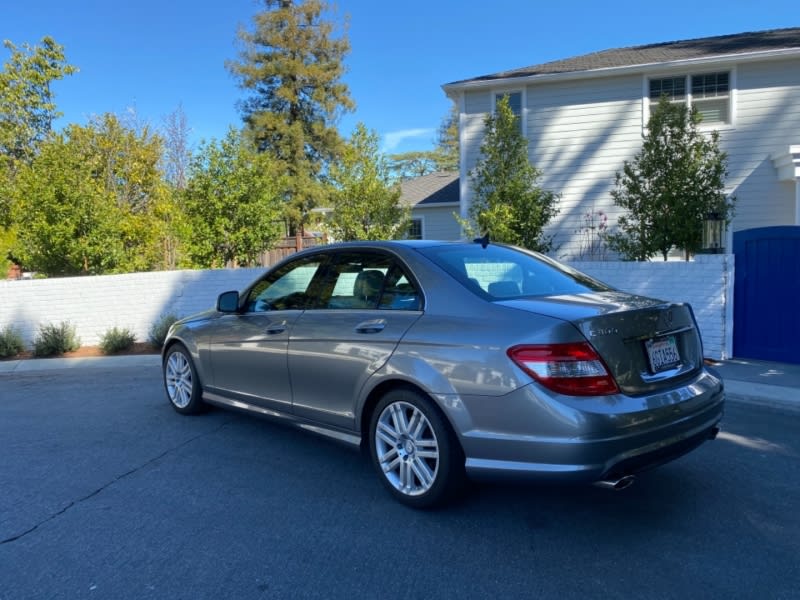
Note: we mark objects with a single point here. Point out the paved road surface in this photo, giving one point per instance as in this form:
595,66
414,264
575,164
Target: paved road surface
105,492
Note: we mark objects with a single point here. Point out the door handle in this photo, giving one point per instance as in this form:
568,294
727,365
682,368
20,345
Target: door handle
373,326
276,328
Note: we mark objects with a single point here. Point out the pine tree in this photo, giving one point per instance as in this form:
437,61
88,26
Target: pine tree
292,65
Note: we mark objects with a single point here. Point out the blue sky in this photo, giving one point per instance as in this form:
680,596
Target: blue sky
150,56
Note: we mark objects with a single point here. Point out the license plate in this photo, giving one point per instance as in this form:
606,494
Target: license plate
662,353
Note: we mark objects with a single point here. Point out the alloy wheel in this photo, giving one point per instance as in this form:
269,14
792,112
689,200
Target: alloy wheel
179,379
406,448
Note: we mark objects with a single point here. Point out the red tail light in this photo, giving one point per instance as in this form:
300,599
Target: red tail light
574,369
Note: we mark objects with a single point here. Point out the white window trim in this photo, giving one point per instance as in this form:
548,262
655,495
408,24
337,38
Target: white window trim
523,102
732,93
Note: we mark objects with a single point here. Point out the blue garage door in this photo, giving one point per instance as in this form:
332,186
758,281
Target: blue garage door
766,299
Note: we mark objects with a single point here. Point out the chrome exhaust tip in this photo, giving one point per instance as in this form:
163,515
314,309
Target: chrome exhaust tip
615,484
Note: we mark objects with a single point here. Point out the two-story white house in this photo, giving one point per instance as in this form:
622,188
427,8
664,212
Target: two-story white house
584,116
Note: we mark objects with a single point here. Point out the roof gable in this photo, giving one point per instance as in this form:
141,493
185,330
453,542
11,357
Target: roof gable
719,46
432,189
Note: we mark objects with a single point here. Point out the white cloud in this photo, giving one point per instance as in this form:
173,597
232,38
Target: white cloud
393,139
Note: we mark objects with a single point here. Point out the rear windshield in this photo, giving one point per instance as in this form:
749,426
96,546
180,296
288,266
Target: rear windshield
501,272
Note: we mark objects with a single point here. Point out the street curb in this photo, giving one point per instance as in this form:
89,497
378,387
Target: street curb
762,394
93,362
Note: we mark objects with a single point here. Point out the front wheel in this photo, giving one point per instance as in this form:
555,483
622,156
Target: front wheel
181,381
414,451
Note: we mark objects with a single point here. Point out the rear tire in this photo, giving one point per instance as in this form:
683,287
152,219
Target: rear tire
181,382
414,450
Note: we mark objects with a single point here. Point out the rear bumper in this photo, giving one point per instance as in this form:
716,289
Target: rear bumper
552,438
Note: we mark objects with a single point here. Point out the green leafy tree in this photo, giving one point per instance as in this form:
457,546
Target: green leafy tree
90,200
126,160
27,101
365,201
27,108
445,157
232,203
293,66
8,238
670,186
508,203
67,221
417,163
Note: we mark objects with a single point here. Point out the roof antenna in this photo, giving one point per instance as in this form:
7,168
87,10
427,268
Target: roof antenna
483,241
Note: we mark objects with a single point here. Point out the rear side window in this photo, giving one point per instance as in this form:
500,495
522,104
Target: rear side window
500,272
367,280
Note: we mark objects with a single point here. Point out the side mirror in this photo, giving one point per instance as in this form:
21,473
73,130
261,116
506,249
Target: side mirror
228,302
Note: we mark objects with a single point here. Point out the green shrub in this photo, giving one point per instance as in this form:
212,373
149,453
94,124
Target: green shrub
53,340
11,342
117,340
158,332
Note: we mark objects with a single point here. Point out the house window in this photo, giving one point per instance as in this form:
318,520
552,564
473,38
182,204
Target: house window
673,87
514,102
709,93
711,97
415,229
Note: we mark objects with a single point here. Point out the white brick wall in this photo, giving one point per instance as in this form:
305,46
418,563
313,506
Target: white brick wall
706,283
96,304
136,301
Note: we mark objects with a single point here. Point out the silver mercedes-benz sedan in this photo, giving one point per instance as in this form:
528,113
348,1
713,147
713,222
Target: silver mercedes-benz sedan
448,361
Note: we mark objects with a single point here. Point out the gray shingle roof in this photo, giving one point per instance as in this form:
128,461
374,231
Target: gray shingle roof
739,43
431,189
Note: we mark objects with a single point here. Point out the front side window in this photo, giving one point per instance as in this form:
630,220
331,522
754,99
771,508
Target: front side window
294,286
709,93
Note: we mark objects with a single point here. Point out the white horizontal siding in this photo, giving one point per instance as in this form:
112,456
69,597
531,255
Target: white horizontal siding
767,121
438,223
476,106
579,147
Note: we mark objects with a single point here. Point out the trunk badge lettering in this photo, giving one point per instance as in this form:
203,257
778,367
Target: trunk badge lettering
603,331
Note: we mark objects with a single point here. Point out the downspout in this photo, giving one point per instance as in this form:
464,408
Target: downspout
463,184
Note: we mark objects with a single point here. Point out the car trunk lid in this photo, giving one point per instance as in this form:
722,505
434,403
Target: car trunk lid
647,344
